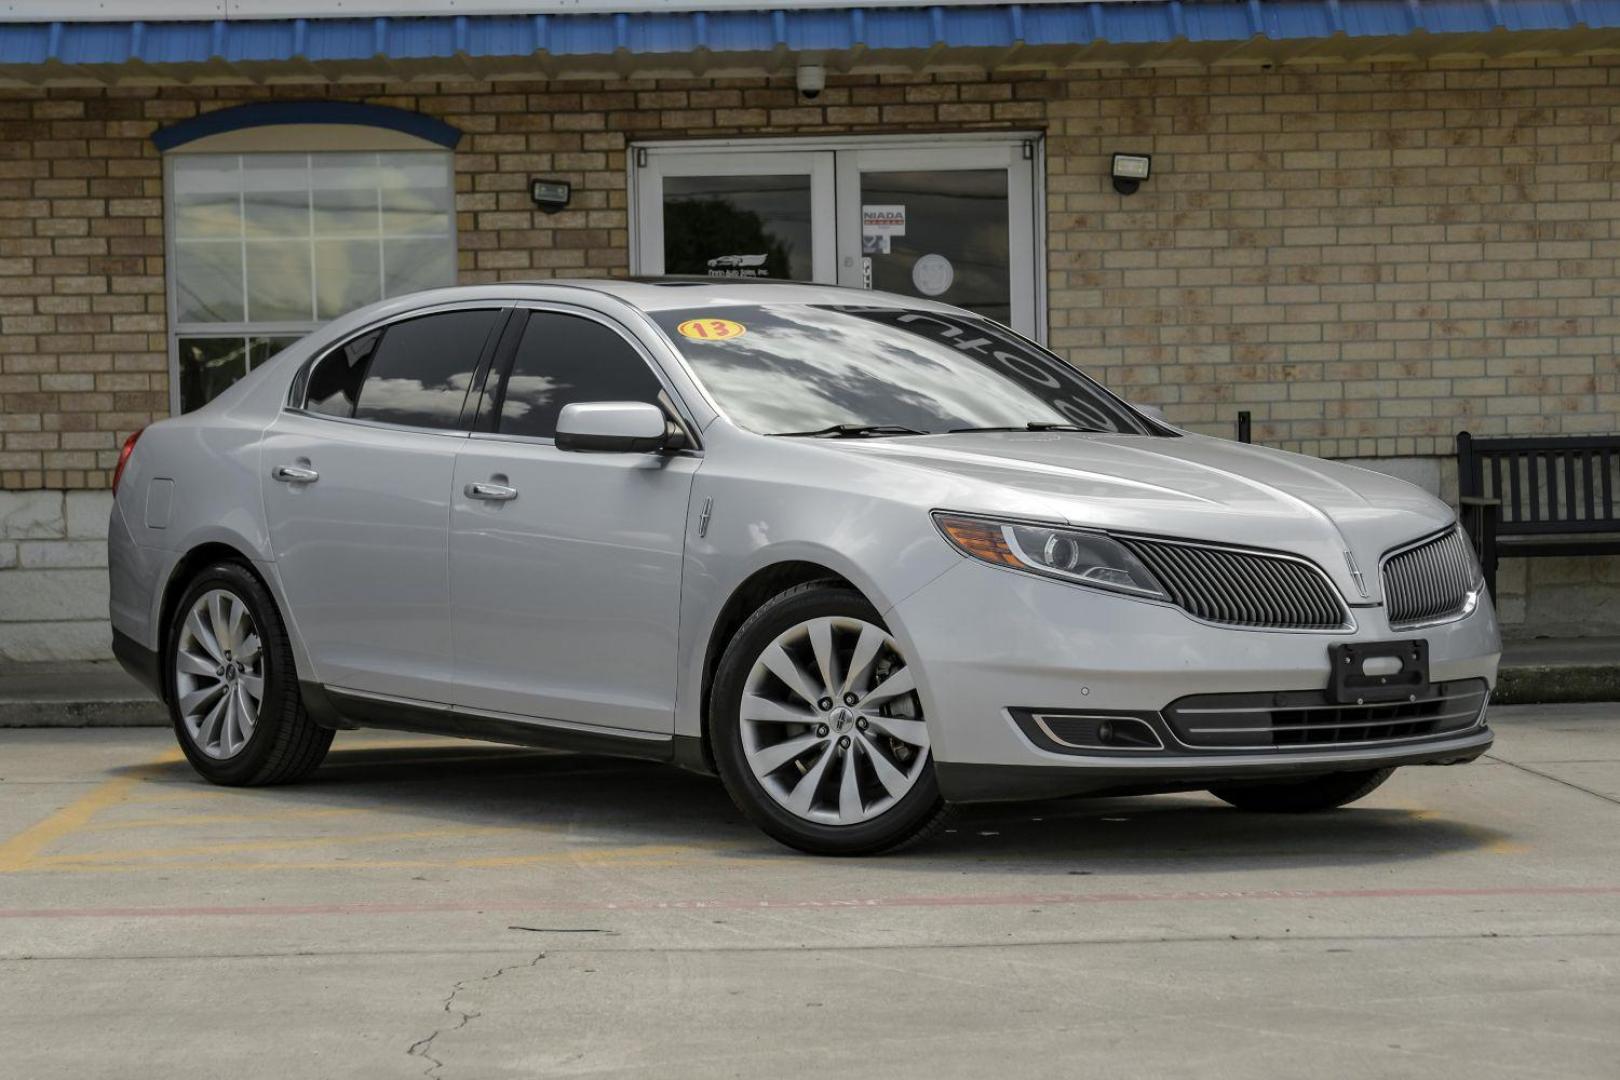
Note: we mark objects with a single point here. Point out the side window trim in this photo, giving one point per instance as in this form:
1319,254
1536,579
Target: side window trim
495,386
298,388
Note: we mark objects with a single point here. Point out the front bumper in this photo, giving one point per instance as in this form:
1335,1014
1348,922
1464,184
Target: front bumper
986,640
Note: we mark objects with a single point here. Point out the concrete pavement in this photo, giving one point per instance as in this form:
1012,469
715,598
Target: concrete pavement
461,910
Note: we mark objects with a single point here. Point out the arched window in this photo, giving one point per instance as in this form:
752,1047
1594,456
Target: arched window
281,216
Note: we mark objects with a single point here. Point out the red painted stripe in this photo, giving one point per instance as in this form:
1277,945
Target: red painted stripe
738,904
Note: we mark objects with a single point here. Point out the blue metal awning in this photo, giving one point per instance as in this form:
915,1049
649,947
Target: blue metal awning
1152,31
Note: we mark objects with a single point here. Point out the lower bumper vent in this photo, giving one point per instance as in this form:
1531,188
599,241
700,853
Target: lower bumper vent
1307,719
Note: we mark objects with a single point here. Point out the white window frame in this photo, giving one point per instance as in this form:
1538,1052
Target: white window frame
244,329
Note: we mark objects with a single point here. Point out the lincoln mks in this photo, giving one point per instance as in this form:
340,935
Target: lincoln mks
862,556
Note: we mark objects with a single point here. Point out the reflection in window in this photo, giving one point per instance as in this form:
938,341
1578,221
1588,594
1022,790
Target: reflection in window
420,374
269,246
563,359
801,367
208,365
738,226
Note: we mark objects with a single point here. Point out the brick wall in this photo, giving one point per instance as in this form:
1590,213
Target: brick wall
1368,259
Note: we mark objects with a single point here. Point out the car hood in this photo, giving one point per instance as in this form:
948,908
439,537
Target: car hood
1188,486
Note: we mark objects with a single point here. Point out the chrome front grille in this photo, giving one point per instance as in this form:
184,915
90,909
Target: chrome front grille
1242,588
1306,718
1430,581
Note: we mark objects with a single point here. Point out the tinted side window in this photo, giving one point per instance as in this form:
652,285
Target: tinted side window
334,384
562,359
420,373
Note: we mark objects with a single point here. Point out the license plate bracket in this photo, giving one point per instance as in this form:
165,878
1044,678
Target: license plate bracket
1351,684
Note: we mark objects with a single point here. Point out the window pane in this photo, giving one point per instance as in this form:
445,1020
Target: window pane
738,226
208,281
412,265
348,274
955,247
563,359
263,348
423,368
207,367
275,196
345,194
416,194
278,285
334,385
207,197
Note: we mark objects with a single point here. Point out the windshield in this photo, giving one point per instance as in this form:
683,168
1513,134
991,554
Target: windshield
781,369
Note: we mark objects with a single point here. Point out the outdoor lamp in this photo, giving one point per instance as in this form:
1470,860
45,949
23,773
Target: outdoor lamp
1129,171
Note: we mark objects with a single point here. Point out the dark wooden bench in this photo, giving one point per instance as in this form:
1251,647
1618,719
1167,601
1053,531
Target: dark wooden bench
1541,496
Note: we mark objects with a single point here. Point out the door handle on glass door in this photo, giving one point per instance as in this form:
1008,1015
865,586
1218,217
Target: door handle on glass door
491,492
295,474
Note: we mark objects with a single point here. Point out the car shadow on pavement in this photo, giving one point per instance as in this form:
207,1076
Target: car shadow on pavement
621,802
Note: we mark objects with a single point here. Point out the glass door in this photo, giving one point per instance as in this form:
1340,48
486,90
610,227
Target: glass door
945,219
731,214
948,223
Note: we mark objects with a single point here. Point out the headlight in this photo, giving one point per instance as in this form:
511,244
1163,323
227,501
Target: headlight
1086,558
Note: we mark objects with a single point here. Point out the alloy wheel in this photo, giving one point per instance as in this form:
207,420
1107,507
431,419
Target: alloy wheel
831,723
219,674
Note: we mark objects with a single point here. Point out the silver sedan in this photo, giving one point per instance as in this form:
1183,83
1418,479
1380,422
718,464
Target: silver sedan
863,556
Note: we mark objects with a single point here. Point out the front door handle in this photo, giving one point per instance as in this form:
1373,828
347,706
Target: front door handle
295,474
491,492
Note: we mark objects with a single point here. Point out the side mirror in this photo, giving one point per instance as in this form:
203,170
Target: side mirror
626,427
1152,412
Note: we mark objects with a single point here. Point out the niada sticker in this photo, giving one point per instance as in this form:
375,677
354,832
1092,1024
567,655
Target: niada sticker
711,329
932,274
887,219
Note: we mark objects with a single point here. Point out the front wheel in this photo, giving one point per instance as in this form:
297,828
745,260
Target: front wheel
817,728
233,692
1303,796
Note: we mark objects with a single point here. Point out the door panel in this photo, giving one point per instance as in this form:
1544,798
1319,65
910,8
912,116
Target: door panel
357,496
567,597
362,552
565,566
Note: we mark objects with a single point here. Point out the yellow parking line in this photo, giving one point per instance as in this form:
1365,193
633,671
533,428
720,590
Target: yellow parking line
182,820
238,847
22,850
646,855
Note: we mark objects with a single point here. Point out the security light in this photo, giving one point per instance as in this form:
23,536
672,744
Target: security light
1129,171
550,195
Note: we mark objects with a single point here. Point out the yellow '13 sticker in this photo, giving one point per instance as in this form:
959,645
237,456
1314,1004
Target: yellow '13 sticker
711,329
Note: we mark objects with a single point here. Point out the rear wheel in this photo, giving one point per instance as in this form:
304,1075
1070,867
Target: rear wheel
233,691
818,730
1303,796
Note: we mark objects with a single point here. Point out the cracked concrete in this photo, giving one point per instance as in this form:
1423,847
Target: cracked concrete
420,1048
468,912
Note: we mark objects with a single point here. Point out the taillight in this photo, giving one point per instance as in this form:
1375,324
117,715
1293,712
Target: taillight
123,457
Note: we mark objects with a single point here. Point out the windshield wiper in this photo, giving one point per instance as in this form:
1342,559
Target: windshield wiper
1033,425
852,431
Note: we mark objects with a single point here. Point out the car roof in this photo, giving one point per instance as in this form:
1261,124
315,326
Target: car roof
666,293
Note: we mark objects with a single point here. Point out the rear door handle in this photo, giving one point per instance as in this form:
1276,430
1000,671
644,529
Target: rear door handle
491,492
295,474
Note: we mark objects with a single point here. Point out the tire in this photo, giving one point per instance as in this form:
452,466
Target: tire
873,787
1303,796
270,741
